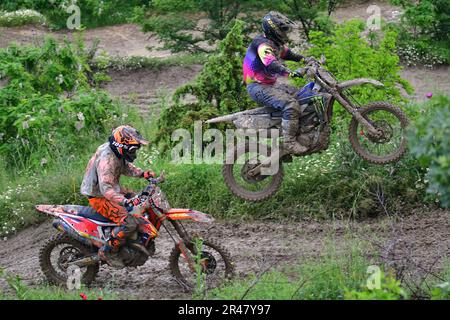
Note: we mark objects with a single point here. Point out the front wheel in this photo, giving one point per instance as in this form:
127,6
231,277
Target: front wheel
390,145
213,265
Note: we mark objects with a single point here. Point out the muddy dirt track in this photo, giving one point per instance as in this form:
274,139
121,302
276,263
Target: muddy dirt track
422,238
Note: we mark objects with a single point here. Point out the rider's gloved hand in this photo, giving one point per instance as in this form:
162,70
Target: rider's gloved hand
149,174
129,204
310,59
299,73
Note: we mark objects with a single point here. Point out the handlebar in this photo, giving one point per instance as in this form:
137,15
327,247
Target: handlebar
155,181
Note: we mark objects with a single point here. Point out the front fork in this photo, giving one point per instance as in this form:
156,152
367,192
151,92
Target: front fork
355,113
180,239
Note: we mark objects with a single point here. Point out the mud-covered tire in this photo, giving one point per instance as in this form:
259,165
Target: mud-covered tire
353,134
49,271
240,192
175,258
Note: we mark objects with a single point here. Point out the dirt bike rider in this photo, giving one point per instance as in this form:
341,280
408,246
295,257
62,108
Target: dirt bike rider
101,184
261,67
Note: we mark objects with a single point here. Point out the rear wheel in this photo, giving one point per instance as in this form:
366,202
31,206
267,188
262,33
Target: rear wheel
236,173
57,253
390,145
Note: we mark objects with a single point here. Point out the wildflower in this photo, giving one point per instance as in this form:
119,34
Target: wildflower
83,296
80,116
60,79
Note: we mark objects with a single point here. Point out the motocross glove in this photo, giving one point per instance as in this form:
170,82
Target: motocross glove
148,174
310,59
129,204
299,73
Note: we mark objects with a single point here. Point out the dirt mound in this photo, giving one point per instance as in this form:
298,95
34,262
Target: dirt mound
144,88
120,40
422,239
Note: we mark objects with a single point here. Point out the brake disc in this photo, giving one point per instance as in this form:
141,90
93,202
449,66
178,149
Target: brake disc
208,262
386,132
67,255
248,178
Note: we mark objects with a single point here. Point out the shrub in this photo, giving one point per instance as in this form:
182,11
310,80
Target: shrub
20,17
218,89
429,142
349,56
423,32
94,13
48,101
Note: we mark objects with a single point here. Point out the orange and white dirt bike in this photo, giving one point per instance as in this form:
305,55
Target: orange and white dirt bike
83,231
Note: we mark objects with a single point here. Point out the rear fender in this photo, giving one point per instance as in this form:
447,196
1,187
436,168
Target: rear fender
80,228
188,214
356,82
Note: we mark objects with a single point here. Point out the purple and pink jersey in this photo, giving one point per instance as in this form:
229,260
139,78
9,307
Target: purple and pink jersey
261,61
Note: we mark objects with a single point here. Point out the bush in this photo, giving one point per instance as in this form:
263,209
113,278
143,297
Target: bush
390,289
423,32
48,102
218,89
349,56
429,142
20,17
94,13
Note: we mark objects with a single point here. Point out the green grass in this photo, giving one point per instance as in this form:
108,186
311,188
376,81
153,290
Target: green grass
20,291
324,277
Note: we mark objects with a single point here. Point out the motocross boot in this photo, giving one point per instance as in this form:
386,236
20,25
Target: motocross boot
109,253
290,144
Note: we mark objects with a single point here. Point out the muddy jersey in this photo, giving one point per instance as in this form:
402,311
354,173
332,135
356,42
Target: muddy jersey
261,62
103,172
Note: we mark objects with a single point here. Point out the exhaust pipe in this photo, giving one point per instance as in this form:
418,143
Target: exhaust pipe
64,227
84,262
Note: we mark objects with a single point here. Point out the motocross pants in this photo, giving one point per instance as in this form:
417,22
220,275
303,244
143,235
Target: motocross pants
277,96
128,224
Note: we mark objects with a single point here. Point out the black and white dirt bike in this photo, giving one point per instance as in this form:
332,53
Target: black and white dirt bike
376,132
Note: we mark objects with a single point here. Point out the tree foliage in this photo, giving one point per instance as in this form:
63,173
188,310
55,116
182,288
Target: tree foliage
47,98
93,13
218,89
350,56
430,143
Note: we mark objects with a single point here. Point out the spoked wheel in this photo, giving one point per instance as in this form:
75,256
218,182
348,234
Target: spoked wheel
240,180
387,147
213,265
57,253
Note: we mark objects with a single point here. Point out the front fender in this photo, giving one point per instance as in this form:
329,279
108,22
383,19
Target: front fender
188,214
357,82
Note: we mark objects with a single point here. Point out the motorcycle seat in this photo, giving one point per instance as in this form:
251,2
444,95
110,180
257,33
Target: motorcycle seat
90,213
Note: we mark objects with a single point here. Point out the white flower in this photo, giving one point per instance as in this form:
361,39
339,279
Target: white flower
80,116
60,78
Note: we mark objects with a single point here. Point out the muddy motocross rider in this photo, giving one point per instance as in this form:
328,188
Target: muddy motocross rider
106,196
261,68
